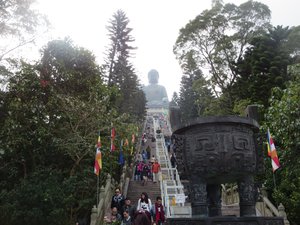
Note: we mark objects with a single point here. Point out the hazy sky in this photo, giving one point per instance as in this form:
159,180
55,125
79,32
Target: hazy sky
155,24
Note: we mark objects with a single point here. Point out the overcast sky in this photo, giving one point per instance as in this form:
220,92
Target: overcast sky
155,24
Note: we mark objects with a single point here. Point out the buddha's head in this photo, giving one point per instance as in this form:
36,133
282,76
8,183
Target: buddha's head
153,76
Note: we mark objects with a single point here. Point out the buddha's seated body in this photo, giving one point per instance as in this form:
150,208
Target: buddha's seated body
156,95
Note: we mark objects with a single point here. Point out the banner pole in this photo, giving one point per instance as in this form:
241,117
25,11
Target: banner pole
274,180
97,190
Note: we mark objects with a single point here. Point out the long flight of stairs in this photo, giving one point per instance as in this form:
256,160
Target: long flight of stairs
135,190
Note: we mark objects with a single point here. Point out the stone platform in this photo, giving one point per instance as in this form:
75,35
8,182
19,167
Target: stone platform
223,220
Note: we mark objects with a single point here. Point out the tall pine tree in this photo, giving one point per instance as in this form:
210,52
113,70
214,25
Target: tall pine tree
120,71
175,99
188,96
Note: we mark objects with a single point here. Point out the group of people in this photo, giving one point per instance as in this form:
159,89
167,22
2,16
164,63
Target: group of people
147,171
145,168
144,213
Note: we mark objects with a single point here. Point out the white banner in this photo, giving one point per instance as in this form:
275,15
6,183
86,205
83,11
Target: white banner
180,198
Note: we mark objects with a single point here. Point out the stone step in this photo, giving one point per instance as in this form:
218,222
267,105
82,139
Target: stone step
181,211
136,188
231,210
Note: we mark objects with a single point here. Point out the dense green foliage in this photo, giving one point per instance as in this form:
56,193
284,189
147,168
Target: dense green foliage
264,65
283,118
187,99
218,38
51,113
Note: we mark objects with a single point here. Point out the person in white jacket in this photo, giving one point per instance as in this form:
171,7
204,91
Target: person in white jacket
144,204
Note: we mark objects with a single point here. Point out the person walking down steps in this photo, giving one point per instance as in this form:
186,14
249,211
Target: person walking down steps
155,170
118,200
137,170
127,220
158,212
113,216
144,204
128,207
145,173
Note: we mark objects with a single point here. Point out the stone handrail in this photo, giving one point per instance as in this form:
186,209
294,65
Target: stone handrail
106,194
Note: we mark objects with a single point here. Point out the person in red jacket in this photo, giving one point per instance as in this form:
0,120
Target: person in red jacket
155,170
158,212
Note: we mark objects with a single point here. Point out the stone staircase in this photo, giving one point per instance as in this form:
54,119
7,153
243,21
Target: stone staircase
135,190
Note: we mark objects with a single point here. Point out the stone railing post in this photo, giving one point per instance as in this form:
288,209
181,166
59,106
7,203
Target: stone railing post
108,179
282,213
129,171
94,215
231,191
102,193
110,188
102,204
263,191
111,183
106,193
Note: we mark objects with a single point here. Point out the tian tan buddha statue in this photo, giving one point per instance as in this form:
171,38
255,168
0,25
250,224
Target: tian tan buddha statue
156,95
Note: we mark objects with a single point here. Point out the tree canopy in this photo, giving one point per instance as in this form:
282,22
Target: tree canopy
218,38
283,119
51,114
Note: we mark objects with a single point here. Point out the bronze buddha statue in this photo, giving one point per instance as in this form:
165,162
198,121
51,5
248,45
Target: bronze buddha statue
156,95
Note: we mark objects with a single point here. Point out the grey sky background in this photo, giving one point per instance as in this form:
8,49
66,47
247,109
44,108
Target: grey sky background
155,24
